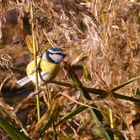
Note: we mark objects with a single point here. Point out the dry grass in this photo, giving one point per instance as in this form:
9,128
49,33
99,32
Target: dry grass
103,35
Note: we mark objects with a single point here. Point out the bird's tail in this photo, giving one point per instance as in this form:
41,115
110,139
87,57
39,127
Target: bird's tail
23,81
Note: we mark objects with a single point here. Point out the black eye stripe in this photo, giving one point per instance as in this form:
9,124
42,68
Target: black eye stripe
56,53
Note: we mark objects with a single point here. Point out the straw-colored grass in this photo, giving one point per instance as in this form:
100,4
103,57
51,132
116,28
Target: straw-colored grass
101,40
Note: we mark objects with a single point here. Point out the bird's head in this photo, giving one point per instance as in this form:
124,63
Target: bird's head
54,55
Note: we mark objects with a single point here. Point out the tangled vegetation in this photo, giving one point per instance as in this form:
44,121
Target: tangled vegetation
96,93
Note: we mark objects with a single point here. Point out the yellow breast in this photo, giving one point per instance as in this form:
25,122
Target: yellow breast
44,67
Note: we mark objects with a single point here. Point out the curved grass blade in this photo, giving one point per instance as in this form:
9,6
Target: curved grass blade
100,92
72,114
49,121
81,108
119,135
124,84
84,92
100,132
48,118
13,132
97,115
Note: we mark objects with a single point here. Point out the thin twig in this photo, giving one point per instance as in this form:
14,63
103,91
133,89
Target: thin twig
35,63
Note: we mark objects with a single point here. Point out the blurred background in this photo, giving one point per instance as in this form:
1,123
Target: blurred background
101,40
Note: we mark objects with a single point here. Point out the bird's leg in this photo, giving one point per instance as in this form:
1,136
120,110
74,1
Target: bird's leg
36,92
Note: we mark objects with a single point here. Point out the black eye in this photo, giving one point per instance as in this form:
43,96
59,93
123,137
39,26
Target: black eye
56,53
59,53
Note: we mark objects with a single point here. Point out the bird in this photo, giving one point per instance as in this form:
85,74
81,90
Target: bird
48,65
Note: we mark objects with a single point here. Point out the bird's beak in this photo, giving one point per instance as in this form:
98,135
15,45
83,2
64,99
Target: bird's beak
64,55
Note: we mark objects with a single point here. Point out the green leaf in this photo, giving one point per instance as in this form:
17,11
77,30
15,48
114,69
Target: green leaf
97,132
124,84
119,136
13,132
72,114
100,132
47,122
100,92
97,115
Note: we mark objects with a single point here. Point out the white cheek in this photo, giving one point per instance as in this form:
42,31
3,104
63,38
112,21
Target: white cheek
56,58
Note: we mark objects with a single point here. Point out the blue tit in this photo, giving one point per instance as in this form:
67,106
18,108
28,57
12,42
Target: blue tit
47,66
